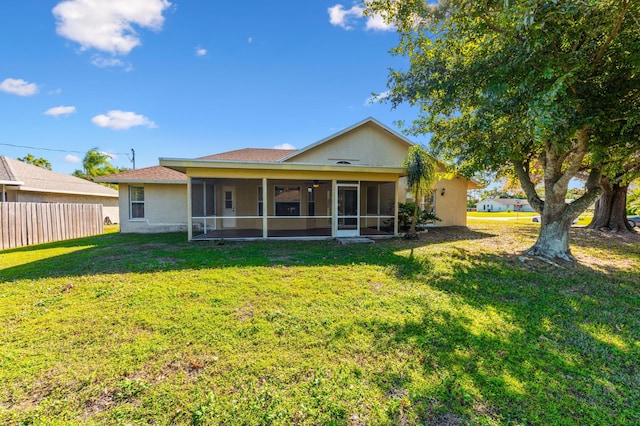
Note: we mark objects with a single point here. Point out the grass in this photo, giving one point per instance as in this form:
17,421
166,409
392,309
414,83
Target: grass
455,328
512,215
520,217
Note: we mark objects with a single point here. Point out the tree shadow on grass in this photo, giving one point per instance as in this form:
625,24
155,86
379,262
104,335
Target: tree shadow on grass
504,343
490,339
624,244
144,253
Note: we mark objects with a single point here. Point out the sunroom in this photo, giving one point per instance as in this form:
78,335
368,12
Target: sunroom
241,200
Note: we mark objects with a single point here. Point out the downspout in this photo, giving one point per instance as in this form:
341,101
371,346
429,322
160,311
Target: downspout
395,208
265,225
334,208
189,218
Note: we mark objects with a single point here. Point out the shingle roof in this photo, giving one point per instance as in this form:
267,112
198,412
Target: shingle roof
157,174
5,172
251,154
37,179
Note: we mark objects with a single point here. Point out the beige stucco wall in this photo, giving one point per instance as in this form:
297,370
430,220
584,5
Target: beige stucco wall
165,207
450,207
109,204
368,145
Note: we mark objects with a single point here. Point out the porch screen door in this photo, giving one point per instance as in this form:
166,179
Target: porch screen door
348,210
229,206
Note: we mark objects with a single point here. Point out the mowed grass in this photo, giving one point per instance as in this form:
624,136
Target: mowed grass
454,328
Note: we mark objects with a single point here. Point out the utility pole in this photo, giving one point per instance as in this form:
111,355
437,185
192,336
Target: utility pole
133,158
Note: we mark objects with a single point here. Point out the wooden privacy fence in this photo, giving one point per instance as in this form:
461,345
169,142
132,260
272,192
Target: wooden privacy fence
23,224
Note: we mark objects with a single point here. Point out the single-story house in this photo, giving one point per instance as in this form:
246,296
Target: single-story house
348,184
504,205
22,182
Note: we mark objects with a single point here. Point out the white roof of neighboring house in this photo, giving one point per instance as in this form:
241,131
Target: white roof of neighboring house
26,177
505,201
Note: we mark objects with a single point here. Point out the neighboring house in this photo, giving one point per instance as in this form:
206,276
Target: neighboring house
504,205
348,184
22,182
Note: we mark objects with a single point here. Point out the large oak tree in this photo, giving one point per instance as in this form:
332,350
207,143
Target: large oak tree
514,83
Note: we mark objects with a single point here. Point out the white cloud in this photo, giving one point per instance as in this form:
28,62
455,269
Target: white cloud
122,120
377,23
18,87
341,17
377,98
284,146
70,158
60,110
108,25
200,51
102,62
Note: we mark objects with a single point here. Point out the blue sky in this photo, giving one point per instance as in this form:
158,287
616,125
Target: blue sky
186,78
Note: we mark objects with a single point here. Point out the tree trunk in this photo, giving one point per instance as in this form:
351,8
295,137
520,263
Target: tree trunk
555,223
611,208
553,240
412,229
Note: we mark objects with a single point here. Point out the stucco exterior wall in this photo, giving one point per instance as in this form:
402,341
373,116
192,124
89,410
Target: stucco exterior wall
368,145
165,207
110,206
452,206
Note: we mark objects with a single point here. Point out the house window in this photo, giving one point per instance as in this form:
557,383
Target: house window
228,199
260,202
136,202
287,199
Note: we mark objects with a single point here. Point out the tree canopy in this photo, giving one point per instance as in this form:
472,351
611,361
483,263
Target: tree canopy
96,164
38,162
521,84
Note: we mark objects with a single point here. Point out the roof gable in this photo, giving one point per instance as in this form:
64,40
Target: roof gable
36,179
367,143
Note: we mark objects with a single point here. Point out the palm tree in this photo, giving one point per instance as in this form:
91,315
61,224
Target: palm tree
38,162
96,164
421,175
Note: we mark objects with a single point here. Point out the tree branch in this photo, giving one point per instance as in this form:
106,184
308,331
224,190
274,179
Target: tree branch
593,191
527,185
576,162
612,35
497,29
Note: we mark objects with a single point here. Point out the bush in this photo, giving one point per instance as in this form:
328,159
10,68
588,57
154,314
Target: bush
405,216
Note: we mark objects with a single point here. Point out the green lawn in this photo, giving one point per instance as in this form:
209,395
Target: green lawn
454,328
512,215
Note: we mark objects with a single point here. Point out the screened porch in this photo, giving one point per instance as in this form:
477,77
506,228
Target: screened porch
223,208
